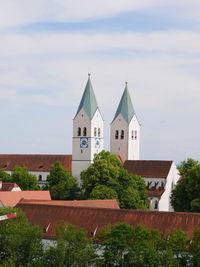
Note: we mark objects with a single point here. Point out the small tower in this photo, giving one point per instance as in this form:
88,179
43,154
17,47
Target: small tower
87,131
125,130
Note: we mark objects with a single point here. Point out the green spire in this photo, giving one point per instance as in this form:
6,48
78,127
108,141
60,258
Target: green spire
125,107
88,101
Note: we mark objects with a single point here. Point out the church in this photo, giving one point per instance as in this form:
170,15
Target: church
88,139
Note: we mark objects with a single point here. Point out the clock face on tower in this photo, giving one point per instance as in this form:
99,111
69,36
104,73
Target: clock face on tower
83,142
97,143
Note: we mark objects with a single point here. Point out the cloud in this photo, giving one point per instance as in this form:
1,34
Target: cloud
23,12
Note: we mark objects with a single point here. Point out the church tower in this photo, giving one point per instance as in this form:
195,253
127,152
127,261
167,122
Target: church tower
125,130
87,131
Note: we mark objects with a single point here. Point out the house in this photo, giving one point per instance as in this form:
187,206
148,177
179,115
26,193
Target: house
4,186
93,219
11,198
160,177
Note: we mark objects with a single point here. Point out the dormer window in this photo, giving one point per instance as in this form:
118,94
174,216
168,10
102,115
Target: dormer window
99,132
122,134
79,131
95,131
84,131
116,134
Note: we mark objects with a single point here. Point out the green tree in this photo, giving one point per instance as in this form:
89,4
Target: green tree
107,172
186,195
124,245
72,248
194,251
61,183
178,243
20,243
103,192
186,165
24,179
4,176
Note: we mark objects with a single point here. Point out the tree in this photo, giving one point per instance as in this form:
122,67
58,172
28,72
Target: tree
186,195
20,243
4,176
107,172
61,183
124,245
194,251
72,248
24,179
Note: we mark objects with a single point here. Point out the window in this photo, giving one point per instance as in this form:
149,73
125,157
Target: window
95,131
122,134
84,131
40,178
135,135
132,135
79,131
116,134
99,132
156,204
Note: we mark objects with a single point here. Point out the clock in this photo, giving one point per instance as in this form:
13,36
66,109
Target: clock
97,143
83,142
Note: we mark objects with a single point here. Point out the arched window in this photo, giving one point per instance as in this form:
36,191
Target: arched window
122,134
116,134
99,132
156,204
84,131
40,178
79,131
132,134
95,131
135,135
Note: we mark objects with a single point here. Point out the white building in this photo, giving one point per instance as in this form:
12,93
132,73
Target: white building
87,131
88,139
125,130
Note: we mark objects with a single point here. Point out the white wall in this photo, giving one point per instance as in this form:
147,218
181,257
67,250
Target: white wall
127,148
83,157
172,178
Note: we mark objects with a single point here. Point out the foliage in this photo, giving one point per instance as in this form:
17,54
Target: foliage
186,195
4,176
24,179
195,249
103,192
61,183
107,172
72,249
124,245
20,243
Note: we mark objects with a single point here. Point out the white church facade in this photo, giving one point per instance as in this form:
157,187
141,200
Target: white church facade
88,140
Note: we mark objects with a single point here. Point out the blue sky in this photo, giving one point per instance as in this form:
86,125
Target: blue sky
48,46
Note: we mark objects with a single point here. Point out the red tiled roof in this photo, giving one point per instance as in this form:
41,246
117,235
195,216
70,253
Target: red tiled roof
155,192
148,168
33,162
92,219
97,203
8,186
11,198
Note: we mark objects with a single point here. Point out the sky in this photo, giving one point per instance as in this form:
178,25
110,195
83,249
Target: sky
48,47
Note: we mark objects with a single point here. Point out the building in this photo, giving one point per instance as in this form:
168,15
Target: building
93,219
88,139
160,178
11,198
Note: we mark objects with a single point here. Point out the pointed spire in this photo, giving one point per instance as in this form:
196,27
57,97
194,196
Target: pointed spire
88,101
125,107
